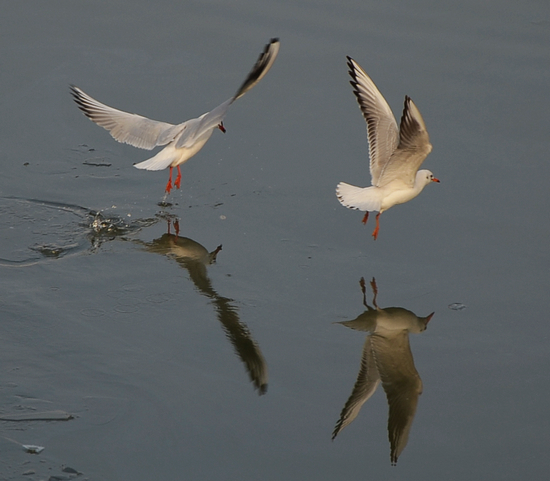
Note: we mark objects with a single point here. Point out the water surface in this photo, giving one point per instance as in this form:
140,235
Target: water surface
142,349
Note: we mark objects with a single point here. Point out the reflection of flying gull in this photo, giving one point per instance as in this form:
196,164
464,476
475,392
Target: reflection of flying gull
395,154
194,257
182,141
386,357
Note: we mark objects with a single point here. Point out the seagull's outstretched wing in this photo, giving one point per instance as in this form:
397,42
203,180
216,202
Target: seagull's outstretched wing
212,119
382,129
125,127
414,146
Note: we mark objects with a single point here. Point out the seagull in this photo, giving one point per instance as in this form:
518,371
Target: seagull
395,153
182,141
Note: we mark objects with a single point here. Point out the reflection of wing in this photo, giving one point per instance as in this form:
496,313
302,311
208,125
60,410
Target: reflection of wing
367,382
401,383
198,274
241,339
193,257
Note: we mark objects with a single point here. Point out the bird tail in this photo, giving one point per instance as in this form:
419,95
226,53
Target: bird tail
160,161
358,198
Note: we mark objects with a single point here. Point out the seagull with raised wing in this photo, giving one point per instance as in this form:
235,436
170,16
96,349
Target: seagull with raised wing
395,153
182,141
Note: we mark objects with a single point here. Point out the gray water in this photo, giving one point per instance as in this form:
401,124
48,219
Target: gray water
150,362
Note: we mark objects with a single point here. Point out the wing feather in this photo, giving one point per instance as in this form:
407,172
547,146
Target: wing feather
125,127
382,129
212,119
414,146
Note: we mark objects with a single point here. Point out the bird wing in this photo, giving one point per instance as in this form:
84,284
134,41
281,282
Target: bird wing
212,119
414,146
381,125
125,127
261,67
401,383
204,124
365,386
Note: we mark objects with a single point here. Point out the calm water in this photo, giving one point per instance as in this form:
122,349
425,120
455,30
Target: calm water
173,367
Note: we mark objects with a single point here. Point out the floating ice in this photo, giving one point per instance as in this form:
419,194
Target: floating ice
31,449
457,306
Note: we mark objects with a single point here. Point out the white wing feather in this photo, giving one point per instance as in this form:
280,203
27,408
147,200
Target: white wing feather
125,127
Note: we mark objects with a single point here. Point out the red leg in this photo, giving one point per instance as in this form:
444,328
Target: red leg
177,227
169,185
178,178
375,233
366,217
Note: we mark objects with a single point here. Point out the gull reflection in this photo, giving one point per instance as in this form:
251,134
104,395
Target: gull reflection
195,258
386,358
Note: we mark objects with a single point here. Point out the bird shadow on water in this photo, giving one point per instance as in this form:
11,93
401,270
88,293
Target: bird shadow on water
386,358
193,257
35,231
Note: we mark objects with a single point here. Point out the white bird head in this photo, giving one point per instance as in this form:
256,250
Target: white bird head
424,177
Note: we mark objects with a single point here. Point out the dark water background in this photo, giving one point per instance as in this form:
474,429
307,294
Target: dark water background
140,344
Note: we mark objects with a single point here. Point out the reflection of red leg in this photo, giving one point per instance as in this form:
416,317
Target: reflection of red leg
375,233
366,217
178,178
362,284
169,185
374,292
177,227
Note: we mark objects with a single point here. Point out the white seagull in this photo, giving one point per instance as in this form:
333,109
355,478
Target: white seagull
395,153
182,141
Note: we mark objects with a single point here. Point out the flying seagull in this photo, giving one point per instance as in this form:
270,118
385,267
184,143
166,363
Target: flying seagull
395,153
182,141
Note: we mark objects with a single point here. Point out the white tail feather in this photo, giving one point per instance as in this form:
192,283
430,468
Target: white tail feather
160,161
359,198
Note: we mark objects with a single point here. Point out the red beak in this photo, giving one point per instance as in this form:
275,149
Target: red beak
435,180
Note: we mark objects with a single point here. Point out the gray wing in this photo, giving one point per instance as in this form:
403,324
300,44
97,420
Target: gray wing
381,125
365,386
402,386
414,146
212,119
125,127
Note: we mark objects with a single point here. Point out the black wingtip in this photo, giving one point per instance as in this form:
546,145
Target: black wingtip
352,71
